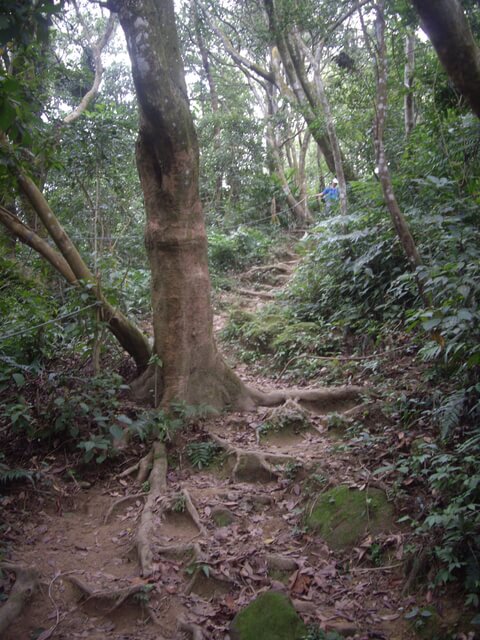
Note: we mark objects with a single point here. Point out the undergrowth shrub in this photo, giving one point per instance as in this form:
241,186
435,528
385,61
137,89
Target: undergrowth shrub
237,250
275,331
348,277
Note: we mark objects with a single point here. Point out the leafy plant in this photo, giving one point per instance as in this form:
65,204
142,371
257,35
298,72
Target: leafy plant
7,474
202,454
179,503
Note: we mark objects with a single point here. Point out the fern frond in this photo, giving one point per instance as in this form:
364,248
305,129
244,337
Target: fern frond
449,413
10,475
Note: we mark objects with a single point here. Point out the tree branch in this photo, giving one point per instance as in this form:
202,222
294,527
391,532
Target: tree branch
233,53
28,236
97,49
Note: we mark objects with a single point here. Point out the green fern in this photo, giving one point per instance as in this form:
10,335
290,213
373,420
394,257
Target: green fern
10,475
201,454
450,412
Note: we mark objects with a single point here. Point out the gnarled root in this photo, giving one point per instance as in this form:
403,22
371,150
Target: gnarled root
192,511
251,466
318,401
158,487
115,596
26,582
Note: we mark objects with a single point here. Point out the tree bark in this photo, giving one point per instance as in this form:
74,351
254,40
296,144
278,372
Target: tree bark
29,237
447,27
188,366
299,207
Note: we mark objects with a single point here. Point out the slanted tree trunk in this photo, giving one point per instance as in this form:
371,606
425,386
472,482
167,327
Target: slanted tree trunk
408,101
311,104
329,120
447,27
299,207
188,366
399,222
213,93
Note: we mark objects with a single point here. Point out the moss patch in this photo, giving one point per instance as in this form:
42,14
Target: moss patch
222,517
270,617
342,516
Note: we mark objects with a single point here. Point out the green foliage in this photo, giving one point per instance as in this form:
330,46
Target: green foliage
348,276
157,424
7,474
202,454
237,250
451,477
179,503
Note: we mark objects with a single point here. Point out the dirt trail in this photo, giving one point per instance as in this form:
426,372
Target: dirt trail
216,537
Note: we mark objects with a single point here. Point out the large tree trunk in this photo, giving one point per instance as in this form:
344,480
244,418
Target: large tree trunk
188,366
447,27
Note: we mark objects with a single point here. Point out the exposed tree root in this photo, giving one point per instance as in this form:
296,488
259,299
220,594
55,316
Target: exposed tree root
144,467
128,471
251,466
134,496
115,596
276,562
158,487
27,580
266,295
181,550
193,629
318,401
192,511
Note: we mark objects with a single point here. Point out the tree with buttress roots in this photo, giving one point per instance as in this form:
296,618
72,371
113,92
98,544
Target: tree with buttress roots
186,365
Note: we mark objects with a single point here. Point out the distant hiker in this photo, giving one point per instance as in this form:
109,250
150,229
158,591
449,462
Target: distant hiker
330,194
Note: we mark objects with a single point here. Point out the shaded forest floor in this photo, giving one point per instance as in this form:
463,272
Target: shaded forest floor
231,521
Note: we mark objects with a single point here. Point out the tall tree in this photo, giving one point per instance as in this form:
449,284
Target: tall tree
187,366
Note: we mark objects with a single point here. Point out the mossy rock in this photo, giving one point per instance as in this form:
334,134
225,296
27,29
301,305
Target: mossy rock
270,617
343,516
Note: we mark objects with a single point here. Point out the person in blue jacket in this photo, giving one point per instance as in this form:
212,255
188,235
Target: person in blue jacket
330,194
